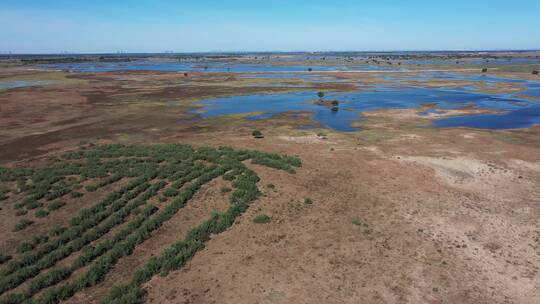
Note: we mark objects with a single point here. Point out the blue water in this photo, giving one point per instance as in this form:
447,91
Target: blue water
514,112
13,84
218,67
520,118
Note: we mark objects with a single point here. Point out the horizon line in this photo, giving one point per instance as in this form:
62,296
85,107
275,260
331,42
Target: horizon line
9,53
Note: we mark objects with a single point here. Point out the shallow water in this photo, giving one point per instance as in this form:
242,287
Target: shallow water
218,67
13,84
514,112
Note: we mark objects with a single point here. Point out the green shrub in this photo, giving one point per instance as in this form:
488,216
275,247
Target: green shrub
225,189
22,224
271,186
57,230
24,247
55,205
76,194
308,201
4,258
262,219
257,134
90,188
170,192
39,239
34,205
20,212
41,213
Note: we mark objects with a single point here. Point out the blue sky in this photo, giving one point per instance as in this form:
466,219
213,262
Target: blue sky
42,26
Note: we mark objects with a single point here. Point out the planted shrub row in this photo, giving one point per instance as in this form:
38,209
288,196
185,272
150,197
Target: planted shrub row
179,253
104,264
187,169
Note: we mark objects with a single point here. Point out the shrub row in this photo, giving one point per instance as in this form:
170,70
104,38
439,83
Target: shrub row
89,253
104,264
71,240
179,253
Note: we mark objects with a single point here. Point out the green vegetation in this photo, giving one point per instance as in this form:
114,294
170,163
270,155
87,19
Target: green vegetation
257,134
262,219
76,194
176,171
3,193
22,224
24,247
21,212
42,213
271,186
4,258
225,189
55,205
308,201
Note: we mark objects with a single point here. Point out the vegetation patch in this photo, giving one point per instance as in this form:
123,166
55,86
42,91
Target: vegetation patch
175,171
262,219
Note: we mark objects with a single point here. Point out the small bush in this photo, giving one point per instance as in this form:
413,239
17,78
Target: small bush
4,258
39,239
535,72
225,189
162,199
90,188
55,205
20,212
57,230
271,186
262,219
34,205
257,134
170,192
22,224
25,247
308,201
42,213
76,194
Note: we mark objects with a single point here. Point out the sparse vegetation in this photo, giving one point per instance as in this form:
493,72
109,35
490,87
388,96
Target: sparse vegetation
55,205
41,213
22,224
225,189
262,219
308,201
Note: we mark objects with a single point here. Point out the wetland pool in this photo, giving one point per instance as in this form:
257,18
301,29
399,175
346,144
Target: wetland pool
512,111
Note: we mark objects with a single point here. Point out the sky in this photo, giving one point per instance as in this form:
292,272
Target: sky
99,26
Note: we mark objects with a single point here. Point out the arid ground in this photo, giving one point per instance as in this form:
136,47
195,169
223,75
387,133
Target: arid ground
396,212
